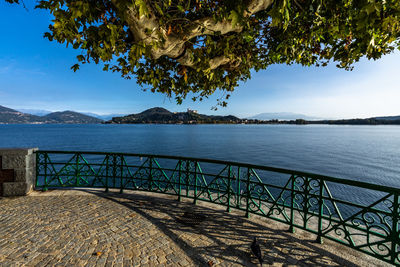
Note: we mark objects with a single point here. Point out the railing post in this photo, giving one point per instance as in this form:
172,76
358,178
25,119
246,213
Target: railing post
238,189
121,174
187,177
77,169
37,169
45,172
107,171
395,239
114,168
321,210
293,180
305,203
195,183
248,194
179,179
228,209
150,185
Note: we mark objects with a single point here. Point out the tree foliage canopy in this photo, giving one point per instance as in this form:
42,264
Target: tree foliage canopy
178,47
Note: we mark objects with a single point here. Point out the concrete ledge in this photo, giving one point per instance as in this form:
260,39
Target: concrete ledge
17,151
22,163
25,175
11,189
18,158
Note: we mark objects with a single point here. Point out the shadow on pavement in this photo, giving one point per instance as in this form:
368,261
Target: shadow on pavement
224,237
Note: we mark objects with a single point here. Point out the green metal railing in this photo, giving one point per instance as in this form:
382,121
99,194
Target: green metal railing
360,215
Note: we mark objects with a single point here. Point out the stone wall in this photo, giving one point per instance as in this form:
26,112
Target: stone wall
17,171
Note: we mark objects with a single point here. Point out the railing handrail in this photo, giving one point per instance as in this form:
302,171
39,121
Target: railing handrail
365,185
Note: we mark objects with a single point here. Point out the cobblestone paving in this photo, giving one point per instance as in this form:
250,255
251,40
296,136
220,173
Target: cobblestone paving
78,228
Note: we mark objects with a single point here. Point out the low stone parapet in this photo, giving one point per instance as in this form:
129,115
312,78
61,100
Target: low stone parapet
17,171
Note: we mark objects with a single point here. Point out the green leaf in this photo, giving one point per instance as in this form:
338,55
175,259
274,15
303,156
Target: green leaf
248,37
143,10
80,58
234,17
181,8
75,67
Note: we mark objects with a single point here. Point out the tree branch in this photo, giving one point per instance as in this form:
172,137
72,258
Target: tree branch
146,29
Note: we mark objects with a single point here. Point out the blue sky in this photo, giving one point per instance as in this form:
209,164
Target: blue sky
35,74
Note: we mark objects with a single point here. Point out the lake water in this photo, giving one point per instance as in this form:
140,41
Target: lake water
364,153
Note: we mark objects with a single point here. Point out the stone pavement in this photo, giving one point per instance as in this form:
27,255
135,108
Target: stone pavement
91,228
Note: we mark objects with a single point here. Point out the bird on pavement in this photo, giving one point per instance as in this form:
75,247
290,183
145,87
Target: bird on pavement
255,248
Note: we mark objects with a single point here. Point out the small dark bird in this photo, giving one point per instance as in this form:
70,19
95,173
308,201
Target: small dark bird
255,248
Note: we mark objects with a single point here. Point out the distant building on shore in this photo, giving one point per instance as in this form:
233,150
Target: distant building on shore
191,110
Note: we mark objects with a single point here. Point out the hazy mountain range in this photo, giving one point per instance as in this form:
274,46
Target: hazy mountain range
261,116
40,112
162,115
11,116
36,112
285,116
104,117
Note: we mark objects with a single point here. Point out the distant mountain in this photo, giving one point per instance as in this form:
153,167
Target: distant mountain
11,116
8,115
282,116
4,109
388,118
37,112
42,112
105,117
162,115
71,117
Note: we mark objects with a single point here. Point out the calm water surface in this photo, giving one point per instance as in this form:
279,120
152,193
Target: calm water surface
365,153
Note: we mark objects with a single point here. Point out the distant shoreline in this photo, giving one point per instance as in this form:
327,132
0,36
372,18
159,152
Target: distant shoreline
160,123
158,115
